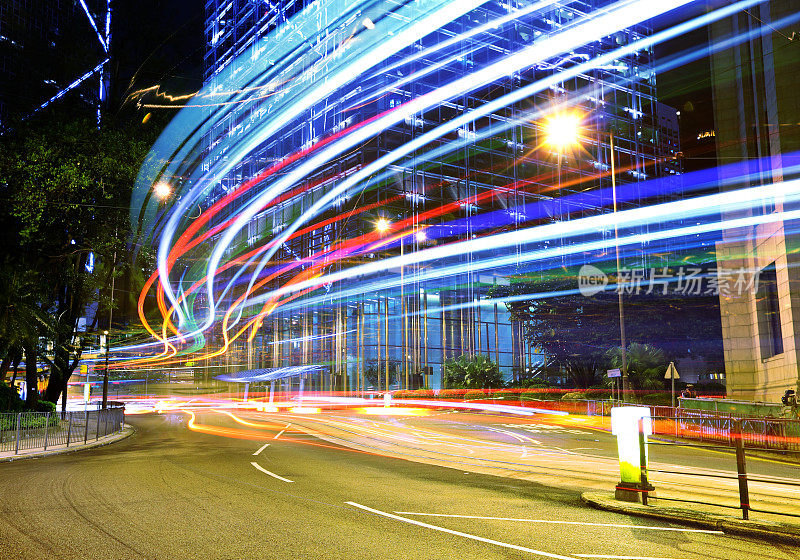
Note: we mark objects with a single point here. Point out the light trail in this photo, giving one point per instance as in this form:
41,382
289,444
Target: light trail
190,306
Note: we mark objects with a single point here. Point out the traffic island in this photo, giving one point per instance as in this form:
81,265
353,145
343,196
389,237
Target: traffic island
766,530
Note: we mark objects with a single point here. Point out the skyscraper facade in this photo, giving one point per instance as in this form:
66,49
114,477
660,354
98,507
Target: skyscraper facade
496,173
756,108
50,52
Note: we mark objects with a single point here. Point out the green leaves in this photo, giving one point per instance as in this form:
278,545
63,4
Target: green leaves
472,372
646,365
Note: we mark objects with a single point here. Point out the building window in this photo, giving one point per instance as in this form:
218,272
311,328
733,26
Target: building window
769,315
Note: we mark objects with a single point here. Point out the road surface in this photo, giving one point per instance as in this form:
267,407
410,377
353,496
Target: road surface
272,490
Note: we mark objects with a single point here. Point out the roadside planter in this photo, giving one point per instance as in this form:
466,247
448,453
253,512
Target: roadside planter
632,425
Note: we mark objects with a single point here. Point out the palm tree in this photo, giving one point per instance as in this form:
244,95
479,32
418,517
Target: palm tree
646,365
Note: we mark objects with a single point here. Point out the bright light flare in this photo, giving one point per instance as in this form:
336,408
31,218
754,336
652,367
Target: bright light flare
162,190
561,130
382,225
386,411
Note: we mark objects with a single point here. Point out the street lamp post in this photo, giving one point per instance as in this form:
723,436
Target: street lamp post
626,386
561,131
108,335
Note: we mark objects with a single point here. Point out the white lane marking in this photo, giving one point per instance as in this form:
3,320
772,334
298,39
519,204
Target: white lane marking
260,449
272,474
627,557
618,525
460,534
279,434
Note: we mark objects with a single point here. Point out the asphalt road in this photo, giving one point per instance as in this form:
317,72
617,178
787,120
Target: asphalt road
168,492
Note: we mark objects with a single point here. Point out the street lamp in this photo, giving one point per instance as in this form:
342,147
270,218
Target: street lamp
382,225
562,131
162,190
110,319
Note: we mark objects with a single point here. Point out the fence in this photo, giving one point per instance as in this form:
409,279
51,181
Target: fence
40,430
781,434
737,436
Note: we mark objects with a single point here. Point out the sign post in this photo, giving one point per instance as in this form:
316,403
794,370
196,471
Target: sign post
614,374
672,374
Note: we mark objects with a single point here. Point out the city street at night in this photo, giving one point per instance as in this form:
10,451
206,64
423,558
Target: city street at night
417,279
169,492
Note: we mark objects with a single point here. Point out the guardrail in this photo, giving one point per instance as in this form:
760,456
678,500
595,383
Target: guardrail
42,430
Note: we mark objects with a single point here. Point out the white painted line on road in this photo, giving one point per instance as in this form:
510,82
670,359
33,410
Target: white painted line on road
260,449
279,434
618,525
272,474
627,557
460,534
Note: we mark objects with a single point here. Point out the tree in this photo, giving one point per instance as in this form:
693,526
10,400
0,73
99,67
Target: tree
576,331
472,372
65,188
22,322
646,365
566,327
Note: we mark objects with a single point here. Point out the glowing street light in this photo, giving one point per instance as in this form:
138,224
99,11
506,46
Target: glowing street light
382,225
162,190
561,130
368,23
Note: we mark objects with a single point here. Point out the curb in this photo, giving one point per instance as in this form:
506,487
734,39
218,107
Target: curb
765,530
126,432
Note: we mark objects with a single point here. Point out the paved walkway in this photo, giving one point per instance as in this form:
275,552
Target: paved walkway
55,449
769,527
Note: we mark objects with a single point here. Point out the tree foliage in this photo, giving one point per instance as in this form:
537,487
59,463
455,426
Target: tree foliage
575,332
472,372
646,365
65,187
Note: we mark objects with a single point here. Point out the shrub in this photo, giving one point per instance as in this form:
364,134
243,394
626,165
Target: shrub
9,399
472,372
573,396
44,406
470,395
532,383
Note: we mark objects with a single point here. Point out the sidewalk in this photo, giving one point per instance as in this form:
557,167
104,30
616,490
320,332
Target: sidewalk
127,431
766,526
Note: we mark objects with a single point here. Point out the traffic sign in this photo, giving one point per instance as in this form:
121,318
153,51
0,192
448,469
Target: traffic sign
672,373
613,373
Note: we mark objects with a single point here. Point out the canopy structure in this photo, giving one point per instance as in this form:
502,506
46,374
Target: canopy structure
269,374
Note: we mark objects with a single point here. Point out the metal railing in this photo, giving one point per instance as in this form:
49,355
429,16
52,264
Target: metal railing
42,430
781,434
742,477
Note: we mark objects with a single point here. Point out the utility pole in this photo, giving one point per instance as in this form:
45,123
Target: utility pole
108,332
626,386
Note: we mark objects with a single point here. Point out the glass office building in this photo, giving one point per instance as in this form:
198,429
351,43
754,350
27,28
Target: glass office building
493,174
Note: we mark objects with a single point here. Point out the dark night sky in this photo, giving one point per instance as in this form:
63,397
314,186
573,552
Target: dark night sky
688,89
158,42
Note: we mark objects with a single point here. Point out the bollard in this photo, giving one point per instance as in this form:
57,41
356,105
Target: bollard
741,469
643,485
632,425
